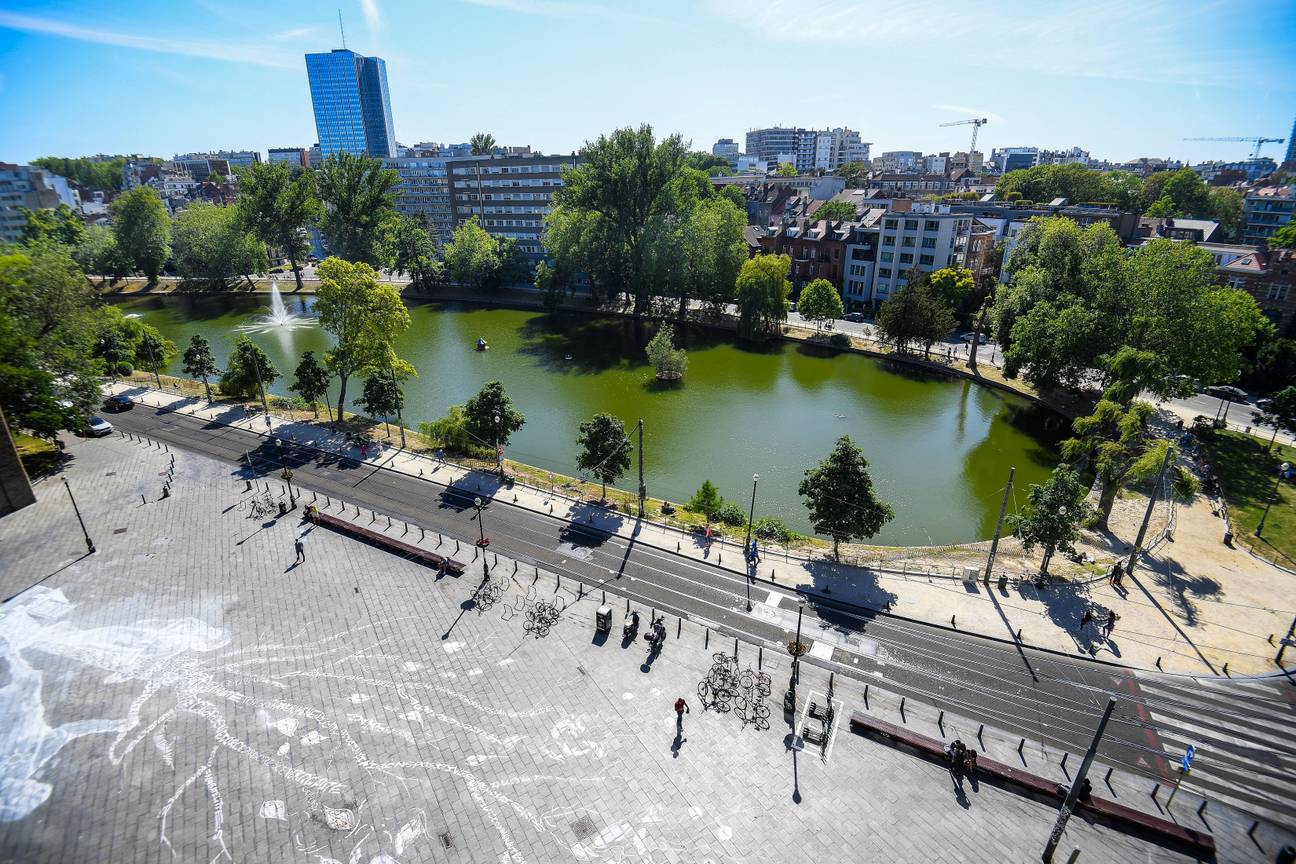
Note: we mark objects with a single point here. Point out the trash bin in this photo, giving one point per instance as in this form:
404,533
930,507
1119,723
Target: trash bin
603,619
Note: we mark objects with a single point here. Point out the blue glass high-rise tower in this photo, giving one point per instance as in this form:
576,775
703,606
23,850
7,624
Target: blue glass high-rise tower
352,109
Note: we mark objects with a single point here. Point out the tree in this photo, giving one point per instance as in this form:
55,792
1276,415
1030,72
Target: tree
277,209
696,255
552,285
1226,208
1281,413
97,253
408,243
450,432
853,173
97,173
820,302
736,197
154,354
311,383
605,449
212,245
836,211
667,361
605,206
364,318
142,230
381,397
706,500
840,497
915,314
199,362
785,169
1077,183
247,361
763,289
1052,515
472,257
1284,237
1187,194
61,225
1117,445
357,195
952,285
1163,208
491,419
708,163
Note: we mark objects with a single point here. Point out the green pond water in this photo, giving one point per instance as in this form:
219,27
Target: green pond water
939,448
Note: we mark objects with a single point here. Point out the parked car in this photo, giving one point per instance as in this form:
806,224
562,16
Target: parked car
968,337
856,317
1264,404
119,402
97,427
1228,391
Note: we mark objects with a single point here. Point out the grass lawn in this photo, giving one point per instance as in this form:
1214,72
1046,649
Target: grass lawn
37,455
1248,473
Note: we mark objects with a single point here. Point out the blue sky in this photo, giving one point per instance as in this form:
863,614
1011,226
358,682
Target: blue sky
1120,79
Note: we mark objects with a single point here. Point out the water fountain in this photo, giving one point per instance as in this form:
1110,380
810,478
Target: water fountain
278,317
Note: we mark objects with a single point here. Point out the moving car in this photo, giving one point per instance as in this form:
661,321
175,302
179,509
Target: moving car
968,337
119,402
856,317
97,427
1228,391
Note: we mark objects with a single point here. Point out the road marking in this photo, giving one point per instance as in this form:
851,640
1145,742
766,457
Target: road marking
822,650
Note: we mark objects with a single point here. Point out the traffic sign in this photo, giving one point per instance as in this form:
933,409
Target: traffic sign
1188,758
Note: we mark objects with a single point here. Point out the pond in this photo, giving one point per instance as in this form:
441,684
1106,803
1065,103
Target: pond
939,448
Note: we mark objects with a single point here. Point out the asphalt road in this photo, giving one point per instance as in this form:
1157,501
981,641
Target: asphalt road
1242,757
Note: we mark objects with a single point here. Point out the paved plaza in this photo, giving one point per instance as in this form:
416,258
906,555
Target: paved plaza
190,693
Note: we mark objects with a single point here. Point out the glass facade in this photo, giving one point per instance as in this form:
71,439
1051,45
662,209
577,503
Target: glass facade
352,107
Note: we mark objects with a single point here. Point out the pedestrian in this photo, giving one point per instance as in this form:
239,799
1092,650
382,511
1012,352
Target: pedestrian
681,708
301,550
1111,621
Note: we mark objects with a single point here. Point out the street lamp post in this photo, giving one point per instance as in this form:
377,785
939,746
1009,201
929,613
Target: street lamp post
499,454
1282,469
481,533
286,474
747,554
789,698
90,547
265,404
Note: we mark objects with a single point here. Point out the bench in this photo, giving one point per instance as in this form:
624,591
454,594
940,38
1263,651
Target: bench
390,544
1115,815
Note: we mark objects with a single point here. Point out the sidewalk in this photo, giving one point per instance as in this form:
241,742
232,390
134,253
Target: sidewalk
180,695
1168,618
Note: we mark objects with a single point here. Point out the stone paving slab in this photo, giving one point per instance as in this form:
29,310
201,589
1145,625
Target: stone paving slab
1180,623
188,694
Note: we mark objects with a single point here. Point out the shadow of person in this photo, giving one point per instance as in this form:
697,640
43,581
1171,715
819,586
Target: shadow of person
961,796
676,745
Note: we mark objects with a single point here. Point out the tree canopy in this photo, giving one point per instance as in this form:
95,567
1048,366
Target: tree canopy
1074,182
277,209
836,211
1052,515
199,362
311,381
357,195
490,418
246,362
667,361
915,314
840,496
820,302
142,229
763,289
212,245
605,448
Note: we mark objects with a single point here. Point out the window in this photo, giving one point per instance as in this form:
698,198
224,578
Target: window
929,243
1276,292
888,240
907,242
888,257
891,223
906,258
925,259
884,273
931,226
911,224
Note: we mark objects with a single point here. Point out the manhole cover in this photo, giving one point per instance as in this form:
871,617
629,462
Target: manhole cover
583,828
119,530
446,840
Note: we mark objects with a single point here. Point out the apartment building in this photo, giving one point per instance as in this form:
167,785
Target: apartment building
1265,210
292,156
1268,275
859,271
726,148
32,188
424,190
1014,158
510,195
808,149
817,250
927,238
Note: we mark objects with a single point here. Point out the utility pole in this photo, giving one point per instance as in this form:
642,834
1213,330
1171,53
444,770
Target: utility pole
1283,646
396,390
1003,508
1282,469
90,547
1069,804
643,490
1147,514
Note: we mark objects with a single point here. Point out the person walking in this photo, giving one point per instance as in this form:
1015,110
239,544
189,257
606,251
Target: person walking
301,550
681,708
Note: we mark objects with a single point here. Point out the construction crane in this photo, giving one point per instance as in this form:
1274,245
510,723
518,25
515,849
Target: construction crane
1258,142
976,125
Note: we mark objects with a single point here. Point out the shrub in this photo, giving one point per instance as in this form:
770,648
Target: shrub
706,500
731,514
451,433
771,528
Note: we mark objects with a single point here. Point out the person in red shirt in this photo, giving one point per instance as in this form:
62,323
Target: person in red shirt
681,708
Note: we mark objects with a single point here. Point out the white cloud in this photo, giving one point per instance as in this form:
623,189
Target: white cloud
972,112
231,52
560,9
372,16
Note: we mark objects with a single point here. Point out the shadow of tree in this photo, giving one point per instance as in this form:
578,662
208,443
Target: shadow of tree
1169,574
857,586
1066,606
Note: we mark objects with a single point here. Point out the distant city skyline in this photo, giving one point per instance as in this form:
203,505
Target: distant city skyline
1121,82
